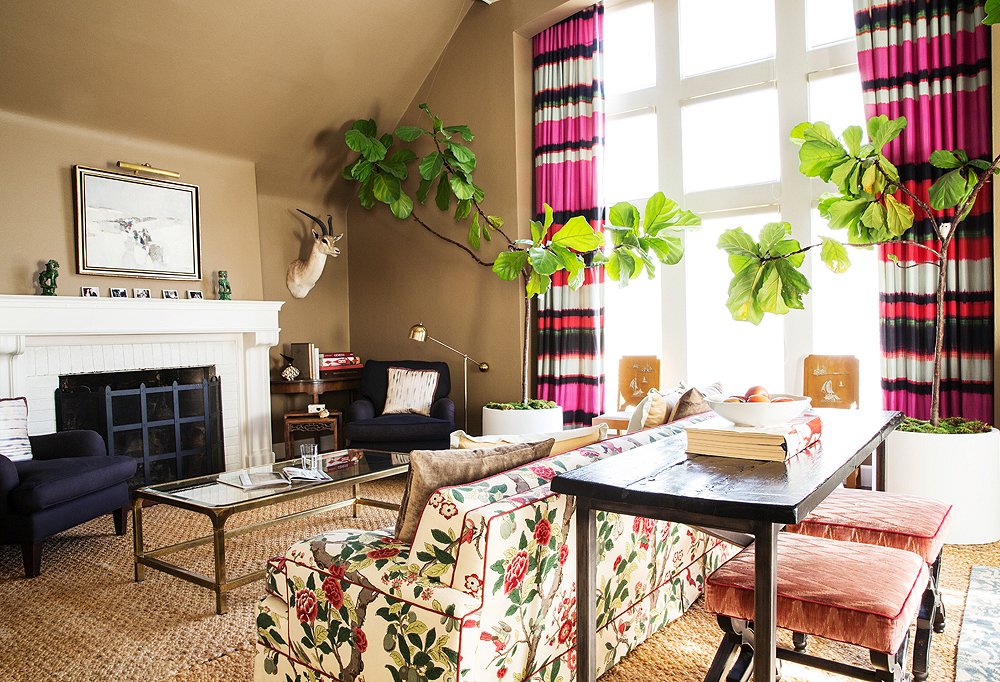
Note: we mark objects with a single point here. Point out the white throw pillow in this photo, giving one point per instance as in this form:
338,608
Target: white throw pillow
639,416
411,391
14,443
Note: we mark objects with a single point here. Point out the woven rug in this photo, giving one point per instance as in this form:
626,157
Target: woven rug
85,619
978,659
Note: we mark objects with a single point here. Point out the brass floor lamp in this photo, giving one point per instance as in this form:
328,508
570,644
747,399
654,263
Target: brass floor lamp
418,332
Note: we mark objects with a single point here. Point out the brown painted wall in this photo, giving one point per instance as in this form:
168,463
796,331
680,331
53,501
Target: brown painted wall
36,207
321,317
400,274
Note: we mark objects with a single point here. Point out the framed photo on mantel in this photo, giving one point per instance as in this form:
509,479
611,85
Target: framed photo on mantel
131,226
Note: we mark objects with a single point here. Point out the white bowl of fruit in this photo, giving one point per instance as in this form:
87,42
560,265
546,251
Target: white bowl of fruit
757,407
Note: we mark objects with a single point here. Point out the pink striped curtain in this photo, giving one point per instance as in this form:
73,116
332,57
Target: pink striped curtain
568,143
930,61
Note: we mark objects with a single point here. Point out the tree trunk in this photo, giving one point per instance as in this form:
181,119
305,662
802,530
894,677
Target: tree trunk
525,345
939,318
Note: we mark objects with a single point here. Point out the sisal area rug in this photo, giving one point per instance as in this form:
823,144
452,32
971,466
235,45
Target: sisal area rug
85,619
978,659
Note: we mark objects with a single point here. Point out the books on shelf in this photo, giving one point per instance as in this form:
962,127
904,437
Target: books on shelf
305,357
720,437
335,362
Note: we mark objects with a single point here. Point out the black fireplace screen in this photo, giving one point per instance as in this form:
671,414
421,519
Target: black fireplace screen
168,419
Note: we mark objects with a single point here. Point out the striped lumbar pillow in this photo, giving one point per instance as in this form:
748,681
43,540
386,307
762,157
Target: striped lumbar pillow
410,391
14,444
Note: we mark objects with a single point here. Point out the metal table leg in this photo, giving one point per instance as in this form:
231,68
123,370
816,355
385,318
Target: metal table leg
357,495
879,482
765,601
219,545
586,590
137,546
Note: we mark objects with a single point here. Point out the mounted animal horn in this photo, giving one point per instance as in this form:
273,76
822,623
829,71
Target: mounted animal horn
302,274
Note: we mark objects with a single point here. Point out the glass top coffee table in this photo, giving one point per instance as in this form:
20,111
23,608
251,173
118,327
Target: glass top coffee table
219,500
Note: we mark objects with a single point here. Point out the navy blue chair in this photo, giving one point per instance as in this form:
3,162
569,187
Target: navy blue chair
70,480
366,427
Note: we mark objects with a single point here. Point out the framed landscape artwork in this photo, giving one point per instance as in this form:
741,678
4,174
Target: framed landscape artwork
136,227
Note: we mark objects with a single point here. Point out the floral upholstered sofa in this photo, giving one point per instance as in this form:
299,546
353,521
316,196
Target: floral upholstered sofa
487,589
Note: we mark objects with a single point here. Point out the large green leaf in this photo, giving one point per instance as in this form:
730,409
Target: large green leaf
462,209
769,297
365,126
537,232
577,234
431,166
794,285
736,242
834,255
668,250
367,146
443,196
461,152
852,139
847,212
475,231
874,216
386,188
992,8
549,216
402,207
423,190
943,158
461,188
543,261
362,169
742,302
950,189
624,214
620,266
537,284
659,210
462,130
395,168
882,130
771,234
819,158
509,264
898,216
409,133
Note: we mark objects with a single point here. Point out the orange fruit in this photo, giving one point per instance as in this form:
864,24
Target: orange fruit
758,398
755,390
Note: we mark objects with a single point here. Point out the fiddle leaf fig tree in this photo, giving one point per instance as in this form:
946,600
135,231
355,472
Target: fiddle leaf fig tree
866,206
446,167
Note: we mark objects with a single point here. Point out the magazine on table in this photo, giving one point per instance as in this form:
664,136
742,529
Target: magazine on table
722,438
254,480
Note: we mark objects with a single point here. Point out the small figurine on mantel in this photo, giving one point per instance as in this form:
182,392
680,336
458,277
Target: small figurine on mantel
289,371
47,278
225,291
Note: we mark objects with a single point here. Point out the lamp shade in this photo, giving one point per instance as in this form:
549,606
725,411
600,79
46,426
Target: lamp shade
418,332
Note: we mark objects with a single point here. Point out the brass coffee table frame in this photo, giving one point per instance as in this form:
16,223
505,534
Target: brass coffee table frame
220,584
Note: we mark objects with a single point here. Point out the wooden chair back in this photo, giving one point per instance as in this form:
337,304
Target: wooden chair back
636,375
831,380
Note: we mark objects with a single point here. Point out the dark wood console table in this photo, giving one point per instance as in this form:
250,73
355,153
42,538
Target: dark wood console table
756,498
347,380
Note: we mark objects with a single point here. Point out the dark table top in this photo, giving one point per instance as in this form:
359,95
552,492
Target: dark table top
661,477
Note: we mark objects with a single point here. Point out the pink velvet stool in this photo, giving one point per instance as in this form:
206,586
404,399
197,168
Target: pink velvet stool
914,524
848,592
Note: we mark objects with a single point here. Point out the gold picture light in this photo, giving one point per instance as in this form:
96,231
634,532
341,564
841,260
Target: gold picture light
146,168
418,332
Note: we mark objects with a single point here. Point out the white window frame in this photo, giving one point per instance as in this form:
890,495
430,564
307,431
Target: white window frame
792,194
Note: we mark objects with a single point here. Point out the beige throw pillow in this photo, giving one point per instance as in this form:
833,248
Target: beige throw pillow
692,402
431,470
659,409
410,391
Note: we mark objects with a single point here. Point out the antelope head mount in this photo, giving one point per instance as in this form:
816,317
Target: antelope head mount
303,274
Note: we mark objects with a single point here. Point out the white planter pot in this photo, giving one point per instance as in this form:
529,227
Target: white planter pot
517,422
962,470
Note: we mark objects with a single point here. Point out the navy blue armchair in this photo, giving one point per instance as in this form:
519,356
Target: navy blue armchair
366,427
70,480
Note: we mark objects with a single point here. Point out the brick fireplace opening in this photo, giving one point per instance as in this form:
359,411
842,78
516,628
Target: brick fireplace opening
169,419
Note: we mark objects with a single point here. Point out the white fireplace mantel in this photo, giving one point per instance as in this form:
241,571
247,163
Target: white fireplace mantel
43,337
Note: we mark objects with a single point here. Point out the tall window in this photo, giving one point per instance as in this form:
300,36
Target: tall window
700,100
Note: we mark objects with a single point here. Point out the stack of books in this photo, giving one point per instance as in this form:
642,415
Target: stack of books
336,362
720,437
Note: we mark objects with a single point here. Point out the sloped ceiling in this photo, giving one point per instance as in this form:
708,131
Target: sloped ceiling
272,81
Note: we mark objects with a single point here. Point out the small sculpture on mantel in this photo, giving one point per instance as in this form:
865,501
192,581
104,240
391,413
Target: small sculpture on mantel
289,371
225,291
47,278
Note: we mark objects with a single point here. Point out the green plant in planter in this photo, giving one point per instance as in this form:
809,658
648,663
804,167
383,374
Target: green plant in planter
766,270
446,167
528,405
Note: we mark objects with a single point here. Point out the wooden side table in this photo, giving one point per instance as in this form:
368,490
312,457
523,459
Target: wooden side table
345,380
314,425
